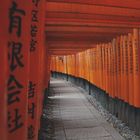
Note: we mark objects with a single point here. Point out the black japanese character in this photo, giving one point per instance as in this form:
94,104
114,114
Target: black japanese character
15,19
14,89
31,110
33,45
36,2
31,90
35,15
14,121
31,130
15,55
34,30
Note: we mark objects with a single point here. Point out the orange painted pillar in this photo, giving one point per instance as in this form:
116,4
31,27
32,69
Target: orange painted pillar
126,68
103,68
77,65
107,68
114,67
118,51
136,53
36,60
4,9
3,92
93,66
74,57
110,69
89,64
121,68
96,65
98,62
42,60
48,68
99,67
18,68
130,70
72,65
65,64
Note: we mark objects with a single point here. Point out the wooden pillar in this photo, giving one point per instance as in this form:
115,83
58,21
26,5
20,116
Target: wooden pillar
130,80
126,68
107,68
42,53
4,7
19,15
35,87
118,67
121,69
136,51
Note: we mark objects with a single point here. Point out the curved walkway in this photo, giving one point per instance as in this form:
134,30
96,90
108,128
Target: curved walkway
74,118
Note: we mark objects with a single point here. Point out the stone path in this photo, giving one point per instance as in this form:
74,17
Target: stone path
74,118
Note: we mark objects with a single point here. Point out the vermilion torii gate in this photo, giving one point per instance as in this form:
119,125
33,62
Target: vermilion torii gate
24,62
31,32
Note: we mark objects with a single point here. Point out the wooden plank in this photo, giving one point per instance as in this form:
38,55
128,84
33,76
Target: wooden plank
91,17
132,4
92,9
64,52
117,22
87,29
91,23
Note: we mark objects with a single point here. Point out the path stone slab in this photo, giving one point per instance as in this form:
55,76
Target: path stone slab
75,118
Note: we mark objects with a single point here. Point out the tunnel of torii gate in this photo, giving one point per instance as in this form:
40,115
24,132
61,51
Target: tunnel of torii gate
94,43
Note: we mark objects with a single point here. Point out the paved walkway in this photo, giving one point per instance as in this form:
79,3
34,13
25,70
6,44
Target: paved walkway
75,118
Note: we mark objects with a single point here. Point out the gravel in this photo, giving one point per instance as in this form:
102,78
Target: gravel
120,126
47,124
